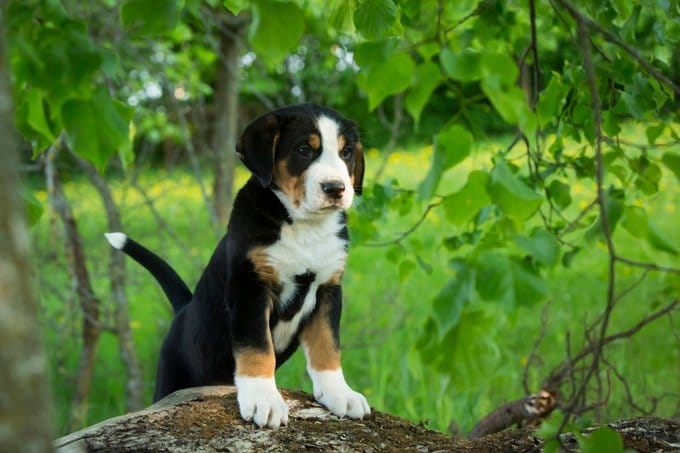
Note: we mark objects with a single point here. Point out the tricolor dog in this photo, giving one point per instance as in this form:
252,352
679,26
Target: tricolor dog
273,282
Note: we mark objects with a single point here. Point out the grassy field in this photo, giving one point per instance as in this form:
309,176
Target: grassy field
383,316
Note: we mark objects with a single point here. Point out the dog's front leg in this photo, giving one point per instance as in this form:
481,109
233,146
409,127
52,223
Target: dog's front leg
258,398
321,343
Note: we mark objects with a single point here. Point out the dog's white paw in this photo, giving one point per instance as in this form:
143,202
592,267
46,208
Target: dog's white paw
331,390
260,402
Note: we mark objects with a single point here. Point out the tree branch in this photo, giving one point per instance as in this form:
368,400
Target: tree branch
612,38
405,234
650,266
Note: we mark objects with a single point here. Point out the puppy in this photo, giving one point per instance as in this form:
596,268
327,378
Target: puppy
273,282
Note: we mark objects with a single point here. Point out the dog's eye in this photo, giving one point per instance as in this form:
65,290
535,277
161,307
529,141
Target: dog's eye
305,151
347,152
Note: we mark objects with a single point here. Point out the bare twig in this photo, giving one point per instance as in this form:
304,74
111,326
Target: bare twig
596,346
163,225
561,371
196,166
536,85
533,356
650,266
629,393
405,234
578,218
643,146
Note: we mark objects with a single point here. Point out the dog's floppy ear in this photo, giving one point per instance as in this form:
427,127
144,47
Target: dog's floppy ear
257,146
358,174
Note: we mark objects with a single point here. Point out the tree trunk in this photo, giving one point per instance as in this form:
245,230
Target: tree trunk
25,403
89,304
134,394
207,419
226,113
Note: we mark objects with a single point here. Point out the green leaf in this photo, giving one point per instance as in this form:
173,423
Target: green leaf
569,256
558,192
464,66
386,78
376,19
406,267
530,287
613,206
275,30
551,99
111,64
451,146
549,430
657,240
499,70
461,206
370,53
467,360
97,127
636,222
493,278
342,16
149,17
36,118
507,280
427,78
515,198
610,123
449,303
654,131
648,179
235,6
672,162
511,104
600,440
542,245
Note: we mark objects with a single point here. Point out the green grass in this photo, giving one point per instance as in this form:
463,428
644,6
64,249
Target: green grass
383,315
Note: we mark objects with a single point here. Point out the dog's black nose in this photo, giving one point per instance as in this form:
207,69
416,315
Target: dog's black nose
333,189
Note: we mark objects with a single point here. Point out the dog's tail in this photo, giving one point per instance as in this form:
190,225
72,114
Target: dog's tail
172,284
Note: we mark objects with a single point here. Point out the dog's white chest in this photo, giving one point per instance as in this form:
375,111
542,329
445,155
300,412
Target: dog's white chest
303,248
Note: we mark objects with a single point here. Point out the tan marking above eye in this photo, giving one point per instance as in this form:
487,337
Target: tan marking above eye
315,141
342,141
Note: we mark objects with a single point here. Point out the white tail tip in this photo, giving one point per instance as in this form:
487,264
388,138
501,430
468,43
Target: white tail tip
117,240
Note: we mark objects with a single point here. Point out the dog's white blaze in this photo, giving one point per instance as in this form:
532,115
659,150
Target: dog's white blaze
305,246
328,167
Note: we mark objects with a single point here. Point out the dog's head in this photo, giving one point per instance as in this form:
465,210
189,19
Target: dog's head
309,154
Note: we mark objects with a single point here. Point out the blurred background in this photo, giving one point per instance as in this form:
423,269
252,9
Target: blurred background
518,229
